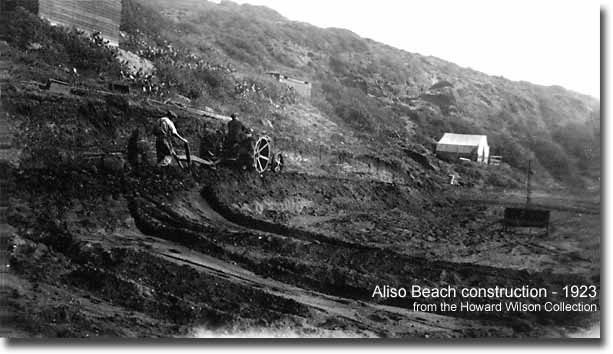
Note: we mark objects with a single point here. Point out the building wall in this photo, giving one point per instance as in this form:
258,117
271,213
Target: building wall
485,157
479,153
91,16
471,154
457,149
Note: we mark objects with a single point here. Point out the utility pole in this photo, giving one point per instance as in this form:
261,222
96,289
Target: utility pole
528,186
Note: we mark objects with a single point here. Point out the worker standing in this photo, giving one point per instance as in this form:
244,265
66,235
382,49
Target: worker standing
235,129
164,130
137,150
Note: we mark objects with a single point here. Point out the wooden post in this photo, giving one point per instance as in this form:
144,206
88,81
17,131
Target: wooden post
528,186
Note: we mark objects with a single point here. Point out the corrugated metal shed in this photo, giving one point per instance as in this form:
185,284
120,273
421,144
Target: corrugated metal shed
102,16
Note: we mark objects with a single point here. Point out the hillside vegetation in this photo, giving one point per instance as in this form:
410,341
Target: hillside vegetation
383,92
369,99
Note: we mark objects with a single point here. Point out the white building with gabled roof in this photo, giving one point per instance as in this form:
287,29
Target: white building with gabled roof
454,146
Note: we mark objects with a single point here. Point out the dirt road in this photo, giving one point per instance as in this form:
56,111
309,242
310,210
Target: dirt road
171,255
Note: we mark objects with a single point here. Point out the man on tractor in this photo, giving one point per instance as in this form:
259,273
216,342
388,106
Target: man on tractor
235,132
237,135
238,143
164,131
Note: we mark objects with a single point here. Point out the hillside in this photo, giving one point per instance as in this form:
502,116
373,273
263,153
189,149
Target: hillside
375,90
101,241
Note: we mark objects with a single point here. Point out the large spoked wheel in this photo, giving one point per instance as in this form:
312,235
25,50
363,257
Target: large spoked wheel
262,154
278,164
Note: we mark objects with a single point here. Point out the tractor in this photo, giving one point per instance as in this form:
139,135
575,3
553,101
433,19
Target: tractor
248,153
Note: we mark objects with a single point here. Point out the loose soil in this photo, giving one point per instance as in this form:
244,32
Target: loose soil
97,248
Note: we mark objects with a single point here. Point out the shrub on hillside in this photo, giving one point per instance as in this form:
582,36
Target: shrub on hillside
357,110
136,18
500,180
579,141
511,151
552,157
355,116
245,49
191,82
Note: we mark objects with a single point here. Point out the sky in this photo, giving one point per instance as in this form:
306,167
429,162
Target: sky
547,42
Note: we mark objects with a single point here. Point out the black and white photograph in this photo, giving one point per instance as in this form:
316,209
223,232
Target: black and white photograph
387,170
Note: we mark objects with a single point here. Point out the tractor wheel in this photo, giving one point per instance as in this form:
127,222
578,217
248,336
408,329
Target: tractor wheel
262,154
278,163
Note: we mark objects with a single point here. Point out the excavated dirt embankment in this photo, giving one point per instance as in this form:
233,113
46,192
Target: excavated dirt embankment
100,249
74,242
339,266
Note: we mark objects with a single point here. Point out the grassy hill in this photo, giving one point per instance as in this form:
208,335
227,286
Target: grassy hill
379,91
369,100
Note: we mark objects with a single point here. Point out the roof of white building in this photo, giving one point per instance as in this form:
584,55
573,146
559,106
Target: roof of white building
463,139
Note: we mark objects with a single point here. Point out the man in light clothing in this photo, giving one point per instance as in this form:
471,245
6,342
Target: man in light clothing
165,129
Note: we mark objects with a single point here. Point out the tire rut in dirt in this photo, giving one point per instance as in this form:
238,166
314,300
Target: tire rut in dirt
343,270
145,283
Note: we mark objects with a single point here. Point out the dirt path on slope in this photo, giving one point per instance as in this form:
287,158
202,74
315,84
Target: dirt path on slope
372,320
173,260
345,272
192,205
